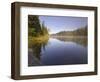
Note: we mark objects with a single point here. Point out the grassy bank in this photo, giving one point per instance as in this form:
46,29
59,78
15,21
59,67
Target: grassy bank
37,40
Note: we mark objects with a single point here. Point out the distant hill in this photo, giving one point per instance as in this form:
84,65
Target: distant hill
77,32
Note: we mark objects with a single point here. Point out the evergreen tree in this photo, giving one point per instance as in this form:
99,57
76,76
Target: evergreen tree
33,22
35,28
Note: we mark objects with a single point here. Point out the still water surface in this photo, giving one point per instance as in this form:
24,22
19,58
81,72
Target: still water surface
59,51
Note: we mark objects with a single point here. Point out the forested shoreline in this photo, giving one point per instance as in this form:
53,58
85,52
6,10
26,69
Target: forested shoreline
37,32
78,32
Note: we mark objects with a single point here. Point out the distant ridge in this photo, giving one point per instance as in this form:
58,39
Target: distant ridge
78,32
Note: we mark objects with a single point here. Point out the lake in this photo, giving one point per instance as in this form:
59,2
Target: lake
59,51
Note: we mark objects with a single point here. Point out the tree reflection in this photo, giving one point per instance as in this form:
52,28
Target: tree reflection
37,47
82,40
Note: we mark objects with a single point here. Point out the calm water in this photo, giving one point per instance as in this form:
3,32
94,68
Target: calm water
59,51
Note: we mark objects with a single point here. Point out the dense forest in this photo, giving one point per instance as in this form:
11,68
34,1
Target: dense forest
37,31
35,28
78,32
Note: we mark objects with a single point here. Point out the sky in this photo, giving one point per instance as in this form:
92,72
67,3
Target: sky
63,23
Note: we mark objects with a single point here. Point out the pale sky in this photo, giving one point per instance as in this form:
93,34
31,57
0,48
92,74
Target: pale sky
63,23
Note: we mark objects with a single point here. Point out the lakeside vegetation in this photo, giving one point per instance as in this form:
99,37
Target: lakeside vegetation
37,32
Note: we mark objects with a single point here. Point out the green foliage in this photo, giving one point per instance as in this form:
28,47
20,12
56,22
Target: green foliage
31,31
44,29
35,28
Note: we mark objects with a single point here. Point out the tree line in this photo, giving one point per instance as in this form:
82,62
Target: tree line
35,27
78,32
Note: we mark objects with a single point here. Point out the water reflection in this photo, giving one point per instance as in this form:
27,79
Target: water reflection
44,53
79,40
34,51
